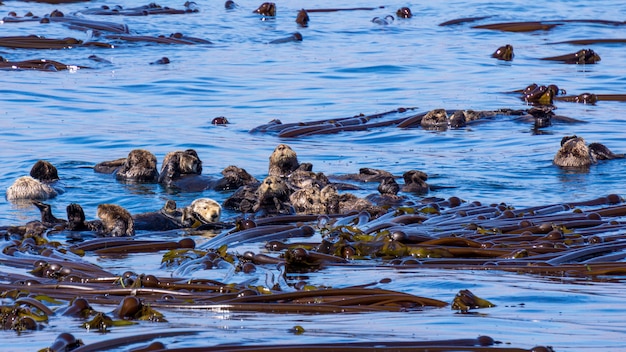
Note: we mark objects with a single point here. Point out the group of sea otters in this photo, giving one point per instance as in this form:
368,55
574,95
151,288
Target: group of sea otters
290,188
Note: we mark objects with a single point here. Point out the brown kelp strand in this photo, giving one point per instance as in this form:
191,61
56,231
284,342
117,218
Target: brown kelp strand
530,26
481,343
37,42
345,9
462,20
144,10
172,39
85,24
593,41
38,65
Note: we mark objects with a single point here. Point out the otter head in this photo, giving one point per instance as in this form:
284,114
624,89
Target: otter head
206,210
388,185
180,163
266,9
75,217
574,153
307,201
415,181
283,161
140,166
116,221
44,171
272,187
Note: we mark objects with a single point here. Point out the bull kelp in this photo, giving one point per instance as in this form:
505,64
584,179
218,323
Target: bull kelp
59,279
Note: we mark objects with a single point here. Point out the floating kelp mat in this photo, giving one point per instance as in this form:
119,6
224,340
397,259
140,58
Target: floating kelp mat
100,288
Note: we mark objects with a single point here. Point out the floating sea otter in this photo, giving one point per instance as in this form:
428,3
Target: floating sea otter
266,9
504,52
39,185
139,166
115,220
404,12
302,18
283,161
574,153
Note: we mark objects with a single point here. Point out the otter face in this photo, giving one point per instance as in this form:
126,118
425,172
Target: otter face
206,210
140,165
44,171
574,153
415,181
27,187
283,161
435,119
272,187
180,163
116,221
308,201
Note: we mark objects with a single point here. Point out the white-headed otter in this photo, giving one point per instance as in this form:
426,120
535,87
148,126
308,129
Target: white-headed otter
39,185
202,210
575,153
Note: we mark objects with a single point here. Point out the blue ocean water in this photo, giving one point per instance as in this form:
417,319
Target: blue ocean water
345,65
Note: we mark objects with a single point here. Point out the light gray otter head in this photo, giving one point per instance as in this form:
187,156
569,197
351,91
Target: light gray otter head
116,221
204,210
180,163
574,153
283,161
139,166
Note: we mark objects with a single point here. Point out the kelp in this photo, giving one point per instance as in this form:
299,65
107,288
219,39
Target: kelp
582,239
364,122
532,26
144,10
38,65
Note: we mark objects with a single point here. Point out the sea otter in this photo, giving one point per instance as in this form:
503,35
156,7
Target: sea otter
504,53
266,9
115,221
435,120
139,166
415,182
404,12
283,161
574,153
302,18
39,185
387,193
272,197
202,210
182,170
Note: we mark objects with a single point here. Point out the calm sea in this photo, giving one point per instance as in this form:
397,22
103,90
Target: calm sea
345,65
